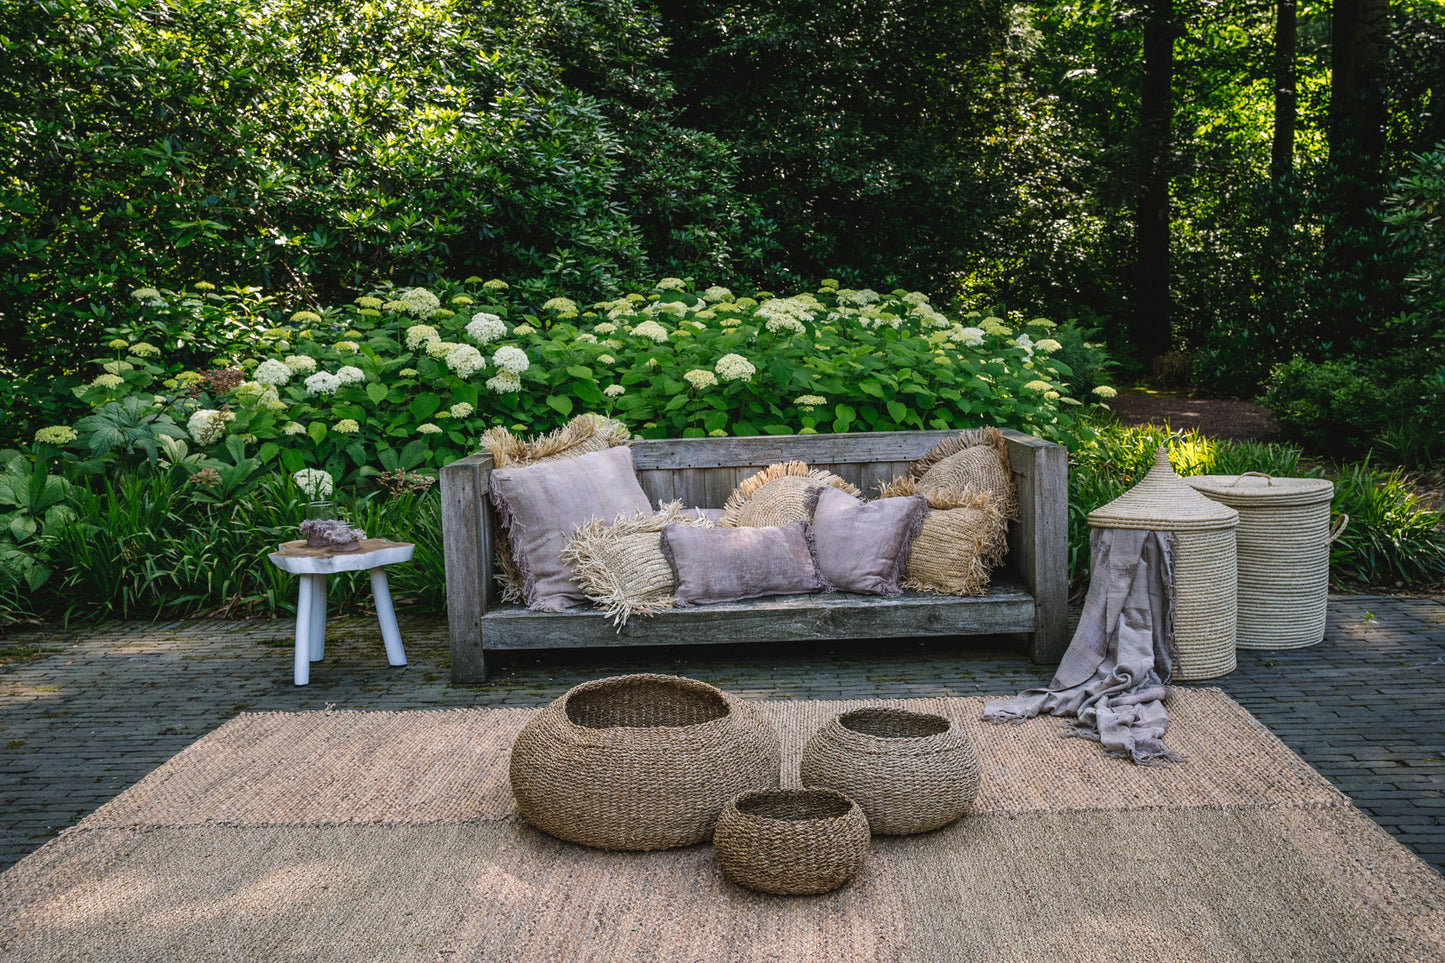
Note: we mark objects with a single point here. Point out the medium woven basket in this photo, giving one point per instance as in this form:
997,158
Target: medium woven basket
640,762
791,841
1283,544
1204,564
909,771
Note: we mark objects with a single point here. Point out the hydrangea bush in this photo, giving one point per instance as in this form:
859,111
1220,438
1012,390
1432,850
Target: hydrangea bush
407,379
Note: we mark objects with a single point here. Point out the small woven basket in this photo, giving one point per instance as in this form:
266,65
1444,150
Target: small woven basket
1204,564
909,771
640,762
791,841
1283,546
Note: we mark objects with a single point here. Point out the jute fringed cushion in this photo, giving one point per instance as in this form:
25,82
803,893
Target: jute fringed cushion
977,458
579,436
640,762
962,538
583,434
791,841
777,495
621,566
909,771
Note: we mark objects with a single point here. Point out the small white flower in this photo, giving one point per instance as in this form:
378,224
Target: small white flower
700,378
57,435
301,364
485,327
613,391
420,302
969,337
715,294
511,359
734,367
350,374
504,381
1048,345
465,360
420,334
315,483
561,306
670,284
462,409
428,429
346,426
347,347
1104,391
293,428
604,327
650,329
322,383
207,425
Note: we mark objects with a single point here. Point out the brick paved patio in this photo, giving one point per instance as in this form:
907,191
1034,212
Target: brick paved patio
101,707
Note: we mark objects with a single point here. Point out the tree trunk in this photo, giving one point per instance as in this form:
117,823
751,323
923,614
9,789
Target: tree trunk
1152,321
1281,155
1357,105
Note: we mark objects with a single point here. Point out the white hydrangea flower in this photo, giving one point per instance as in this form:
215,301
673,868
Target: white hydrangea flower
716,293
420,334
788,314
915,297
1025,342
606,359
522,330
504,381
858,299
428,429
145,294
462,409
734,367
485,327
1104,391
674,309
670,284
650,329
587,337
56,435
439,349
810,401
346,426
207,425
700,378
322,383
1048,345
420,302
108,381
1038,386
293,428
612,391
350,374
511,359
968,337
347,347
315,483
143,349
561,306
300,363
465,360
604,328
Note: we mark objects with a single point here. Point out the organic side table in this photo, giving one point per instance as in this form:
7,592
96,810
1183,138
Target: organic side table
313,565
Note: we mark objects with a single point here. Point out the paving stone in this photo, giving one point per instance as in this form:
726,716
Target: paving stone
107,704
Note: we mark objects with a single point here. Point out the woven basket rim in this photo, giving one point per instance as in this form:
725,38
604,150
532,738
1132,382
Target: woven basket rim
1250,490
936,725
743,803
691,686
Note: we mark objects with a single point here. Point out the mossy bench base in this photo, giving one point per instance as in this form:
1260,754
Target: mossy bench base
1028,597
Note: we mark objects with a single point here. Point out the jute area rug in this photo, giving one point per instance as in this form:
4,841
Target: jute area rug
389,837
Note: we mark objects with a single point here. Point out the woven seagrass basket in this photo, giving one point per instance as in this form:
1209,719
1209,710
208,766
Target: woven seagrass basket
791,841
1204,564
1283,546
909,771
640,762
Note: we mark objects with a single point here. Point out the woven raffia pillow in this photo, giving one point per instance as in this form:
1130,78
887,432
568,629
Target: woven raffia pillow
621,566
583,434
977,458
777,495
962,538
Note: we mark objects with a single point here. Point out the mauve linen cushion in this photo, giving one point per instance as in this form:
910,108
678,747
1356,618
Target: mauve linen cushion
541,505
864,546
728,564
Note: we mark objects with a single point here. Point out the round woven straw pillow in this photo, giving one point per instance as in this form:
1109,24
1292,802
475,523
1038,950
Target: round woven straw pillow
640,762
791,841
978,468
909,771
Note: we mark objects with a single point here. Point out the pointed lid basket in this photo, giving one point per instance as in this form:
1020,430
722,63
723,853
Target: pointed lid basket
1164,502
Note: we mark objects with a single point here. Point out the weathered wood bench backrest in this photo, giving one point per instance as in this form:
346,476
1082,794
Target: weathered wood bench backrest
703,472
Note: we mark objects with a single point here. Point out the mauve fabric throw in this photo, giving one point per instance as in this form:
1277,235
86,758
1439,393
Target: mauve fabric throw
1114,678
729,564
864,546
542,505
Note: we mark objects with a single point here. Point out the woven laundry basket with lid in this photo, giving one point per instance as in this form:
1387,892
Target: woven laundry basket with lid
1283,544
1204,564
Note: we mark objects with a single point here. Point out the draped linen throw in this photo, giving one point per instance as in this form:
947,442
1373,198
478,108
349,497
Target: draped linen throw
1115,675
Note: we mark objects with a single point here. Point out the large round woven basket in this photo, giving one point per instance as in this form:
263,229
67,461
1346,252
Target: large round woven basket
791,841
909,771
1204,564
1283,546
640,762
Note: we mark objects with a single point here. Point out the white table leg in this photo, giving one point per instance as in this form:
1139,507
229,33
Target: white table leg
303,632
318,616
386,615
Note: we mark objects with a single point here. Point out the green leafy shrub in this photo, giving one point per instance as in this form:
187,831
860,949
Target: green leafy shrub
1391,539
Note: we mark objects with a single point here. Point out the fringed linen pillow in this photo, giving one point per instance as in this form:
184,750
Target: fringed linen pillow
863,546
730,564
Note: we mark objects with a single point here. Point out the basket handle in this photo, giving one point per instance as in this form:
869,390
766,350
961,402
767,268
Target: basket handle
1256,474
1340,525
